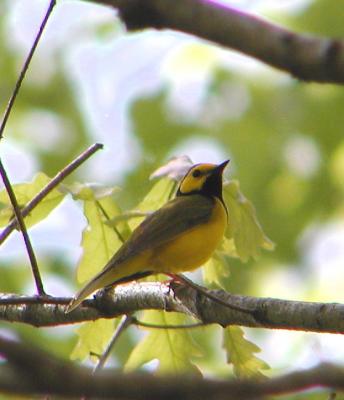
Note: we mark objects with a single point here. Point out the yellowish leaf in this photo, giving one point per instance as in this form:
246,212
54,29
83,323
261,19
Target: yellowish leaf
160,193
173,348
215,270
93,338
24,193
241,354
99,241
244,227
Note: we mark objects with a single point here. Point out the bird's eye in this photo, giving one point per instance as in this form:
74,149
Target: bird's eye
196,173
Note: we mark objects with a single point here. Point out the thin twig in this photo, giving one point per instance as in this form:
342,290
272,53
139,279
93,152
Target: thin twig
21,223
206,293
13,300
172,191
123,325
58,178
157,326
126,215
106,215
25,68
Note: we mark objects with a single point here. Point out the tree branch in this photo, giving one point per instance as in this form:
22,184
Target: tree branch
306,57
126,299
29,371
55,181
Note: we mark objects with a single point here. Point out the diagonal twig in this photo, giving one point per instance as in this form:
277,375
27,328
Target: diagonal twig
123,325
8,186
21,223
25,68
161,326
58,178
106,215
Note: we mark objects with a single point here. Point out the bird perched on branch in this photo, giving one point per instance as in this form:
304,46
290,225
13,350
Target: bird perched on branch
180,236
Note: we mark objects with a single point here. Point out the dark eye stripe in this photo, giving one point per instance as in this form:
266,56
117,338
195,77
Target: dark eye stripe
196,173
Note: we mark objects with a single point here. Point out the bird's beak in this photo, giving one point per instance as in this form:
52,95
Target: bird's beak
219,169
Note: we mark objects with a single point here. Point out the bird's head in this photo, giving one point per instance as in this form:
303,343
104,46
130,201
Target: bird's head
204,179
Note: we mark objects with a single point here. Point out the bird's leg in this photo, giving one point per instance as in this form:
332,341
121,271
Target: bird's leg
170,282
186,281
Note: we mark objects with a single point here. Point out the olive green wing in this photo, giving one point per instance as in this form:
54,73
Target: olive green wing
175,217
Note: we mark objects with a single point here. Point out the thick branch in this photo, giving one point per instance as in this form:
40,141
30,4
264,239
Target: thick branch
29,371
306,57
126,299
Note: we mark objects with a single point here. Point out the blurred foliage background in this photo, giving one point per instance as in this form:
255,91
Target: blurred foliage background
152,95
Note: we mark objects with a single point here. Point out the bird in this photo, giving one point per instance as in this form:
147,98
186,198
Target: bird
178,237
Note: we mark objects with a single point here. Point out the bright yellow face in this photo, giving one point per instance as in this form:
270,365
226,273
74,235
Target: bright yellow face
195,179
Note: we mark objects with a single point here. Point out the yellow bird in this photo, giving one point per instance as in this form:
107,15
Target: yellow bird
180,236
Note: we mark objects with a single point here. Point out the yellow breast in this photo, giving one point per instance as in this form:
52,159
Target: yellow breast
193,248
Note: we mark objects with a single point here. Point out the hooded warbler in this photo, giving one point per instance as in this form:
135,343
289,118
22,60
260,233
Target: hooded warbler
178,237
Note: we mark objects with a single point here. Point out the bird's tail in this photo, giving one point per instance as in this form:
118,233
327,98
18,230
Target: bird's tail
97,282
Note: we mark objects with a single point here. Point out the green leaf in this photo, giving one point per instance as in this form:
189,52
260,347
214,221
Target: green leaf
99,241
159,194
93,338
24,193
125,216
228,248
244,227
321,17
173,348
241,354
90,191
217,268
